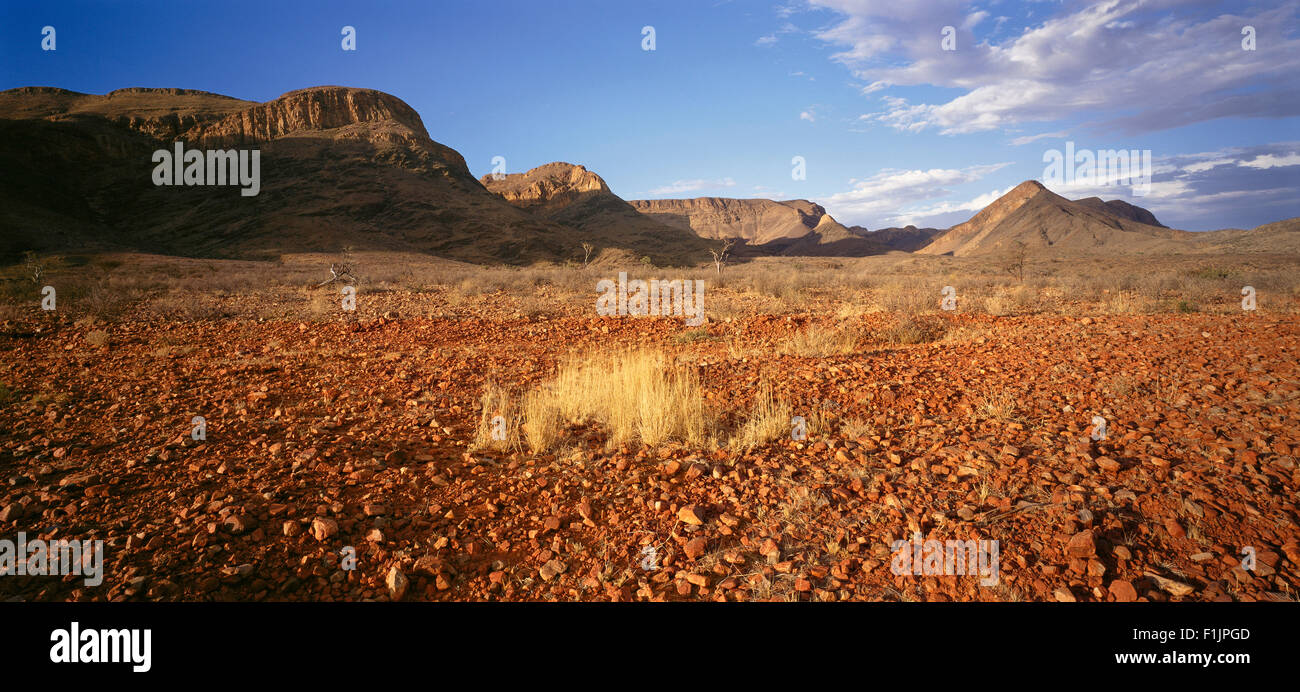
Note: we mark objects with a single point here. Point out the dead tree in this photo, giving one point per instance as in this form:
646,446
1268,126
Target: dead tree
720,254
1016,260
587,248
341,270
33,266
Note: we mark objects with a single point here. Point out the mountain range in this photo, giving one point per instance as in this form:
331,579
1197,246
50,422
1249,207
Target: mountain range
349,167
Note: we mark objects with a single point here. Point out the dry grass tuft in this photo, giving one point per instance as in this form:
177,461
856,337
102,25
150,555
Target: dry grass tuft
769,419
97,338
635,395
819,341
493,433
999,405
913,329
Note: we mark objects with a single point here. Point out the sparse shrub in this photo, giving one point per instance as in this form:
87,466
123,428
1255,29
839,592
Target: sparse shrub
1211,273
691,336
911,297
913,329
97,338
997,305
103,302
999,405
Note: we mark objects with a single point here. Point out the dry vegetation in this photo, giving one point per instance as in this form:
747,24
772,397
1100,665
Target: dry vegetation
118,287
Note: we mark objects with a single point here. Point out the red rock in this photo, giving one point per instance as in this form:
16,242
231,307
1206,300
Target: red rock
323,527
690,515
240,523
396,583
1081,545
695,547
551,570
1123,591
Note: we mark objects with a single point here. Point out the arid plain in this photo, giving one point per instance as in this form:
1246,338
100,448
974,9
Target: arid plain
371,428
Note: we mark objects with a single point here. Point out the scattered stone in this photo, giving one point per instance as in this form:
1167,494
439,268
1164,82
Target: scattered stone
690,515
1123,591
323,527
551,570
396,583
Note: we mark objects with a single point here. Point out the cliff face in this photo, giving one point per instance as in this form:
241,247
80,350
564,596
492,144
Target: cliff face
308,110
551,186
756,221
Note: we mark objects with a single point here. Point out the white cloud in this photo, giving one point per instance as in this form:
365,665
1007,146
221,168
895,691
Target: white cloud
1272,161
772,38
876,201
1059,134
924,216
1235,187
682,186
1138,65
807,115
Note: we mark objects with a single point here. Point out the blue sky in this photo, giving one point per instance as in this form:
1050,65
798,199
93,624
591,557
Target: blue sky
893,128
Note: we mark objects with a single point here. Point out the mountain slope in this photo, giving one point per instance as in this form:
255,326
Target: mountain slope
339,167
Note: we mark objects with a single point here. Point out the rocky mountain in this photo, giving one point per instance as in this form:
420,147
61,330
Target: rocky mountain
1043,220
761,226
575,197
339,167
906,239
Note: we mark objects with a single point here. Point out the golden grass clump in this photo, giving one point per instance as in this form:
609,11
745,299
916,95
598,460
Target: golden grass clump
819,341
769,419
635,395
913,329
502,434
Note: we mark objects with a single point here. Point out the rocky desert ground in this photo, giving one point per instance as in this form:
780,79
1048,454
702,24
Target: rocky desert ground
471,432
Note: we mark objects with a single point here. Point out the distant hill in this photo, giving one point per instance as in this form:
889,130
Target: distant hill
761,226
905,239
1043,220
578,198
